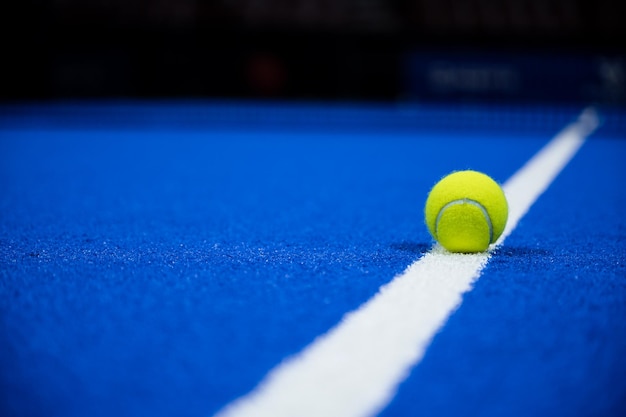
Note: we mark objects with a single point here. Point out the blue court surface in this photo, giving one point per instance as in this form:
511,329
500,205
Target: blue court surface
160,258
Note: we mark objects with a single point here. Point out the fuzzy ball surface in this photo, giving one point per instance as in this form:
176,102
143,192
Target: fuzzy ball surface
466,211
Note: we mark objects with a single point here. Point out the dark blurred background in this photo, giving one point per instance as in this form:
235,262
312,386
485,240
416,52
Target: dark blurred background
537,50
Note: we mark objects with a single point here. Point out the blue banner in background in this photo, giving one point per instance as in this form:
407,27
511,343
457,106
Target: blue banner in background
514,76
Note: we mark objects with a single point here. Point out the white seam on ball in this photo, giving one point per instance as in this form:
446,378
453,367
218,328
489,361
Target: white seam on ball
465,201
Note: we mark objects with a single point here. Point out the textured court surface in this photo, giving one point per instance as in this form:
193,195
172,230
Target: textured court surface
160,260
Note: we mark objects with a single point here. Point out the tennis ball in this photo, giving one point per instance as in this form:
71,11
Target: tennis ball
466,211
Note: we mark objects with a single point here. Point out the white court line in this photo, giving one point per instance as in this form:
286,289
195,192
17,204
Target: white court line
354,369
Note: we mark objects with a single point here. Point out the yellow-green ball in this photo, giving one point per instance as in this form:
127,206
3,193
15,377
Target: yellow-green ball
466,211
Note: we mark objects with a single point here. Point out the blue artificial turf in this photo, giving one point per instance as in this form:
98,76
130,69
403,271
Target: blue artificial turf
544,330
157,266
